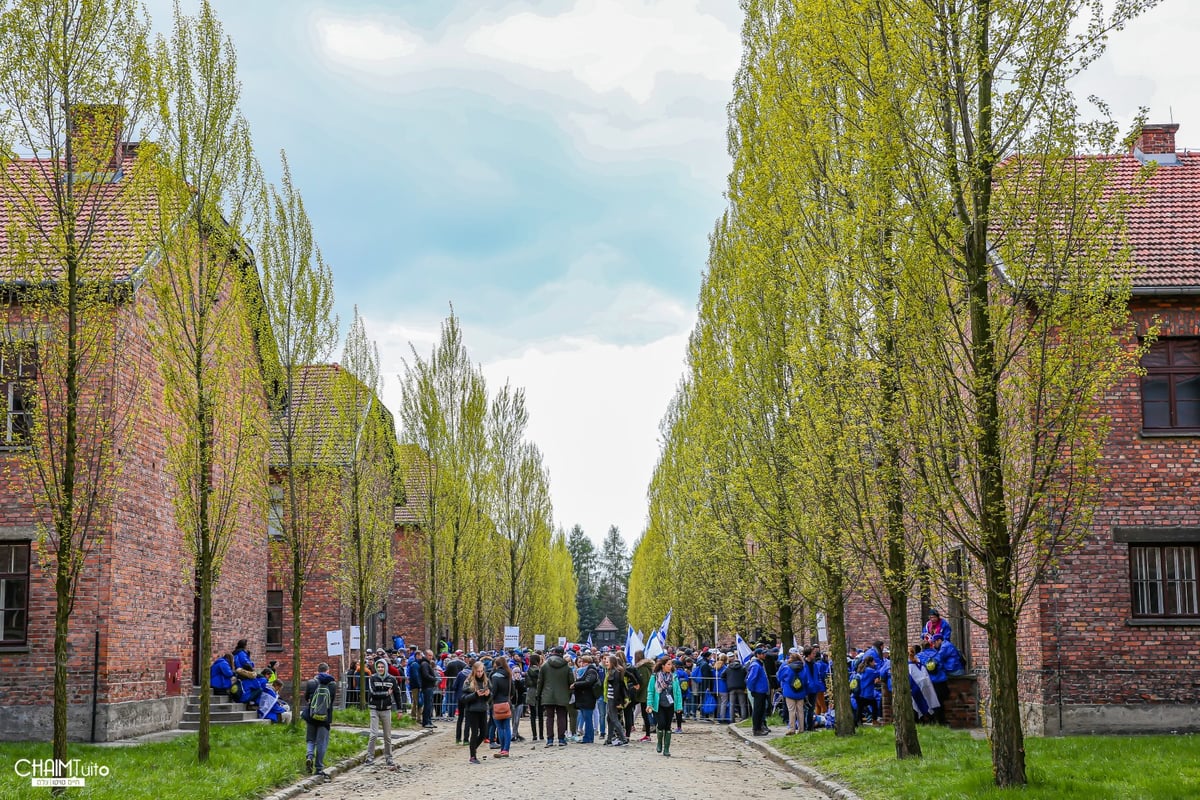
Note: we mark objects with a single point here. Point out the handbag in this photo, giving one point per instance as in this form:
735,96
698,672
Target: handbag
502,710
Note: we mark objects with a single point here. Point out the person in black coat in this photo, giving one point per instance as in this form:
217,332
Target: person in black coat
585,688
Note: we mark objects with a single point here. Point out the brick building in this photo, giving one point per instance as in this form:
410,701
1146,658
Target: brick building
1110,639
402,614
133,630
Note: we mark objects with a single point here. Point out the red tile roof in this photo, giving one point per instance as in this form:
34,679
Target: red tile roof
119,229
1164,228
415,467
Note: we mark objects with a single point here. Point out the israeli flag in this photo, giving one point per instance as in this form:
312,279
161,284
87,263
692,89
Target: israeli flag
654,647
743,650
662,632
589,641
633,643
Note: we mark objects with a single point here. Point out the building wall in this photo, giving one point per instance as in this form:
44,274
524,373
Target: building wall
136,591
1118,674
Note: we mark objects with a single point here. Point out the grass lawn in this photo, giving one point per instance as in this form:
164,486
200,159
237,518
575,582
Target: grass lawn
246,761
957,766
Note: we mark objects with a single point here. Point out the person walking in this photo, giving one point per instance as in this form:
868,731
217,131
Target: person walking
760,688
319,696
664,696
554,692
383,695
616,697
502,683
477,692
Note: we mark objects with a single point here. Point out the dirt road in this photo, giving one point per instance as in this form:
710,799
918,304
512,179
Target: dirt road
704,763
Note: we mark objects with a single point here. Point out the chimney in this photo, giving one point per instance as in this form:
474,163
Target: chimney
1157,138
96,131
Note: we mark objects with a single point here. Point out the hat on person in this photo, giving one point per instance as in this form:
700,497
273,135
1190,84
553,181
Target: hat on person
759,651
933,612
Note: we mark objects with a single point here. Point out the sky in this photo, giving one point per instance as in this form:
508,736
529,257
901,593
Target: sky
552,170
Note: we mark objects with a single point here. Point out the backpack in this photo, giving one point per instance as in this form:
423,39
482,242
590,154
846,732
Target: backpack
320,704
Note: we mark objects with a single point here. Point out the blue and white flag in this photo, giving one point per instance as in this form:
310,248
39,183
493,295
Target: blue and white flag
633,643
654,647
589,641
662,631
743,650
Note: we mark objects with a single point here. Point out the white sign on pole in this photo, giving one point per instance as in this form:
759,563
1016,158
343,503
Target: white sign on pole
333,642
355,637
562,641
471,645
539,641
822,628
512,636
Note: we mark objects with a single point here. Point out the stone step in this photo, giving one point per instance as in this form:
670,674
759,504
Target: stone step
195,726
223,708
222,716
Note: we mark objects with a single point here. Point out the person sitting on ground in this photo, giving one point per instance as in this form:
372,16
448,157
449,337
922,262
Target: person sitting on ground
270,706
220,674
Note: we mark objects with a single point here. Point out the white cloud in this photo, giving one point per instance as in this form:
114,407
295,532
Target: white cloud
615,44
365,41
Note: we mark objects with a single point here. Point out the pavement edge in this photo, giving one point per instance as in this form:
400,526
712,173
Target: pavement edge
343,766
810,775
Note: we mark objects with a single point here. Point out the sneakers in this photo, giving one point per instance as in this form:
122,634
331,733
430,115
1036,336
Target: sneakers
322,774
474,760
621,743
562,742
679,729
645,738
550,743
308,763
370,762
502,754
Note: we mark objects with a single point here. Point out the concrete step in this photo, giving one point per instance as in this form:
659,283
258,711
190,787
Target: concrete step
222,716
195,726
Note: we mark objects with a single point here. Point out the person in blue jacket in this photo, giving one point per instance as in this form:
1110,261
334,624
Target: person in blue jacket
928,658
868,694
252,684
220,674
821,686
760,691
813,683
948,657
795,689
413,673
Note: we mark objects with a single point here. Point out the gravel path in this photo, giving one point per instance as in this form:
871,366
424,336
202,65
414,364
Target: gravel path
704,761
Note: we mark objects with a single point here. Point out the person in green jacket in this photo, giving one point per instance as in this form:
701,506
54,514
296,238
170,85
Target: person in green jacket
554,694
664,697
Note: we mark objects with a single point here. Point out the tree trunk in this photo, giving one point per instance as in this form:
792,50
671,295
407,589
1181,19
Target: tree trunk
835,602
62,616
1008,739
206,593
297,631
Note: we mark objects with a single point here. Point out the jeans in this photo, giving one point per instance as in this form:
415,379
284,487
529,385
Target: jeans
586,725
504,733
380,719
602,712
723,707
426,707
316,739
616,727
739,705
518,712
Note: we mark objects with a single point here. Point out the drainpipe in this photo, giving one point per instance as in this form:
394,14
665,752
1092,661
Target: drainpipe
95,680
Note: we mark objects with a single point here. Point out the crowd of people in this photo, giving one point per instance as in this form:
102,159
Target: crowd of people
578,694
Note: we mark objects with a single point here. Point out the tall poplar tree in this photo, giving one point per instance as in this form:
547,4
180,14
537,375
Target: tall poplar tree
298,288
72,81
206,290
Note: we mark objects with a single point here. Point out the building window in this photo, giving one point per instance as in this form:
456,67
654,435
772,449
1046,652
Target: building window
14,592
18,368
1163,580
275,514
274,620
1171,385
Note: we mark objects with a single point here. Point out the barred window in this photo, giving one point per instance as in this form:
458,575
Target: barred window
1163,580
14,592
